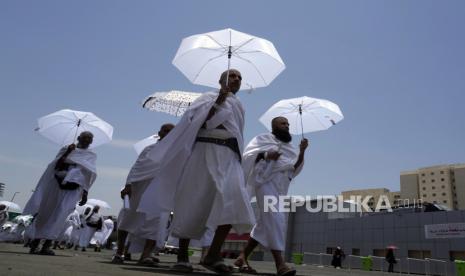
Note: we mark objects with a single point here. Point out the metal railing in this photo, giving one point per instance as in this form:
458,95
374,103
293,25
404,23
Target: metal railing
418,261
425,266
440,262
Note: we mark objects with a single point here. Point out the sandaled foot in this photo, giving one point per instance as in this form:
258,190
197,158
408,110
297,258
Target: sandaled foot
117,259
219,267
244,267
286,271
47,251
147,262
184,267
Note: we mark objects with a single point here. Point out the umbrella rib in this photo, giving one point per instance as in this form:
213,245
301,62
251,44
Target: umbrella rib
203,67
219,44
243,44
255,67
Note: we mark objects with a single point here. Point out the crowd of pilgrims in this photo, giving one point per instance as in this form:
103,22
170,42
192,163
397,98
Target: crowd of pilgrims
194,185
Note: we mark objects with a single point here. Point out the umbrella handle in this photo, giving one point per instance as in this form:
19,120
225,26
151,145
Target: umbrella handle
229,59
301,121
229,65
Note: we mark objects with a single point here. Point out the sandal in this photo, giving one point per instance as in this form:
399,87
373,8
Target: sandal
47,251
286,271
117,259
219,267
147,262
183,267
242,266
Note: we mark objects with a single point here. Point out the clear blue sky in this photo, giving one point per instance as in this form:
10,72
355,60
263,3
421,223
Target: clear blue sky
396,69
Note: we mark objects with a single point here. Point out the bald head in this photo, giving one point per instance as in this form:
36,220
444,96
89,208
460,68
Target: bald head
280,123
234,80
85,139
164,130
280,129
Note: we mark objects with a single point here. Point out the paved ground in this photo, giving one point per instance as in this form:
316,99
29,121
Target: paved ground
15,260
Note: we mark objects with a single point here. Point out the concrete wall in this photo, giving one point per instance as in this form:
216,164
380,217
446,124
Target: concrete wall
316,232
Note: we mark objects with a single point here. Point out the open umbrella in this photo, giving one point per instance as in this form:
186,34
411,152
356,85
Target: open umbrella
142,144
11,205
304,114
203,57
99,202
63,127
173,102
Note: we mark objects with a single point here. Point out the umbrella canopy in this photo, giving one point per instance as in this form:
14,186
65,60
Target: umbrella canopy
304,114
63,127
142,144
11,206
173,102
203,57
99,202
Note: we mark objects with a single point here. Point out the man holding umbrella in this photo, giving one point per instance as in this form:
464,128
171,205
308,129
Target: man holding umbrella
201,176
66,179
270,163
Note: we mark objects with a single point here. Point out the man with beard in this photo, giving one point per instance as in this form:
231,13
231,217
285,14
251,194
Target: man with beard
66,179
270,163
202,177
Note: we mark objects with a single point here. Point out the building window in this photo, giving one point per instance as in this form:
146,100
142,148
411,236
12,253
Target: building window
442,179
433,187
435,202
444,201
424,195
423,181
432,173
432,180
456,255
443,186
422,174
434,194
442,172
444,194
424,188
356,251
419,254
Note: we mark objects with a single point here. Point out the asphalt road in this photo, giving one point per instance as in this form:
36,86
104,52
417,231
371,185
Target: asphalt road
15,260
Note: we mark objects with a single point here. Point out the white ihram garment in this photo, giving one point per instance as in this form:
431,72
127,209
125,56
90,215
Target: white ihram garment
50,204
142,225
196,177
269,178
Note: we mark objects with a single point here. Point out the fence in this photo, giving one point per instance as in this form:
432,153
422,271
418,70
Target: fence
425,266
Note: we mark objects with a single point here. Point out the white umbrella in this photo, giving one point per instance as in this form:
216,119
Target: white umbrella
99,202
203,57
63,127
142,144
304,114
173,102
11,205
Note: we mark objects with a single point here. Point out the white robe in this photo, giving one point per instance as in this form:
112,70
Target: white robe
269,178
50,204
72,221
101,237
152,223
88,232
3,217
202,182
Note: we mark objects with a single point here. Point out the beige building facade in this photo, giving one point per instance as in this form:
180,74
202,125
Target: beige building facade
443,184
375,194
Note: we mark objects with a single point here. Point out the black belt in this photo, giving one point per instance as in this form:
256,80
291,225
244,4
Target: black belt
231,143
